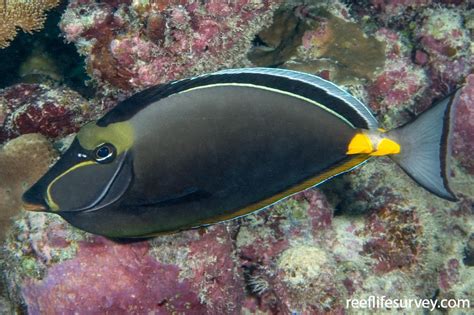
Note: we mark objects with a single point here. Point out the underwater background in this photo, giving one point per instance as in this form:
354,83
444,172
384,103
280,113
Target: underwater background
371,232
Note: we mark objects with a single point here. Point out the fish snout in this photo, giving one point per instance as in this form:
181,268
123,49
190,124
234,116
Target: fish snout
33,200
34,207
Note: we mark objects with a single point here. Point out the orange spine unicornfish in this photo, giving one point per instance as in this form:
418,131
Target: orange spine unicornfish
219,146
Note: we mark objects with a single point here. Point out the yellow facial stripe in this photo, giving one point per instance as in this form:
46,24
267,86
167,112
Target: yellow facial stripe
387,146
52,205
293,190
119,134
360,143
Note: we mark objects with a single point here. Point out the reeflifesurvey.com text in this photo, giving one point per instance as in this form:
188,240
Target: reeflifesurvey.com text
383,302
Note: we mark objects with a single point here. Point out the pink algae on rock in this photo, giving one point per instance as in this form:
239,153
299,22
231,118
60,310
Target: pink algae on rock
216,277
131,46
463,140
447,43
396,85
394,239
396,9
449,274
37,108
107,277
370,232
66,270
286,266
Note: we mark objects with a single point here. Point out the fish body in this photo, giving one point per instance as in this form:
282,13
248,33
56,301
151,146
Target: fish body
219,146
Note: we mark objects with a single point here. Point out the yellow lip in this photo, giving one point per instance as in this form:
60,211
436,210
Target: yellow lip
33,207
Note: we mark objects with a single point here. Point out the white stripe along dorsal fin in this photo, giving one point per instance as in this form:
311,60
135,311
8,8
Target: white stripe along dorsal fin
316,82
298,84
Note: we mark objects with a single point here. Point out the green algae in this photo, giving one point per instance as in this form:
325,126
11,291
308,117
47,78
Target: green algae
30,267
345,46
291,208
62,254
39,67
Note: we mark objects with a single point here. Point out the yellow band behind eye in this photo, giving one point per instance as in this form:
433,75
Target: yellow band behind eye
120,135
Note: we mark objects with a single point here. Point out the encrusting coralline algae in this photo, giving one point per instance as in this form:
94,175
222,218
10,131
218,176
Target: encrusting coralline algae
143,43
372,232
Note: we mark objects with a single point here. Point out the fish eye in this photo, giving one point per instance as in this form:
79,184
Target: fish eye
104,153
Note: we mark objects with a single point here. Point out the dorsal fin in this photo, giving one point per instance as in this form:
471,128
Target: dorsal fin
318,84
323,92
132,105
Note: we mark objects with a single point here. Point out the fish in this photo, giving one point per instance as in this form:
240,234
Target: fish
219,146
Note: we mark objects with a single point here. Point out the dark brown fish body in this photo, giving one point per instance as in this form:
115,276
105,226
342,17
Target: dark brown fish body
206,167
202,153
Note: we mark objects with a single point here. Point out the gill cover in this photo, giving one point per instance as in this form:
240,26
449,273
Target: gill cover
83,179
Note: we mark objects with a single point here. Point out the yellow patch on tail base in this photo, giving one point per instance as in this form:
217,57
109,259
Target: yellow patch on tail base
385,147
365,143
361,143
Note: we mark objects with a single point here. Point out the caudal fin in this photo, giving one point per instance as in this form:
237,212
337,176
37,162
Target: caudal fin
424,153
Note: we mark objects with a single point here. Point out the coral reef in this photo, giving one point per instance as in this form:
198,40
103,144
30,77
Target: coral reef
132,46
39,67
397,86
394,11
22,161
343,45
398,70
142,286
193,272
463,142
27,15
278,41
393,238
295,257
38,108
447,43
371,232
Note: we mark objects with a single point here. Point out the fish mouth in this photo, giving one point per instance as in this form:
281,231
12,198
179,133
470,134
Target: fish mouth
34,207
32,200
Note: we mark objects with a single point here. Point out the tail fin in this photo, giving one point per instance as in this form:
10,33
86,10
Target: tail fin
424,154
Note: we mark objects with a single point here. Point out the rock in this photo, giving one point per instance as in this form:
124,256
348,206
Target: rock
38,108
128,46
22,161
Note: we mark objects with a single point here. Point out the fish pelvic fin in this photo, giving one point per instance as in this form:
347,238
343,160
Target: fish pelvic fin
424,147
